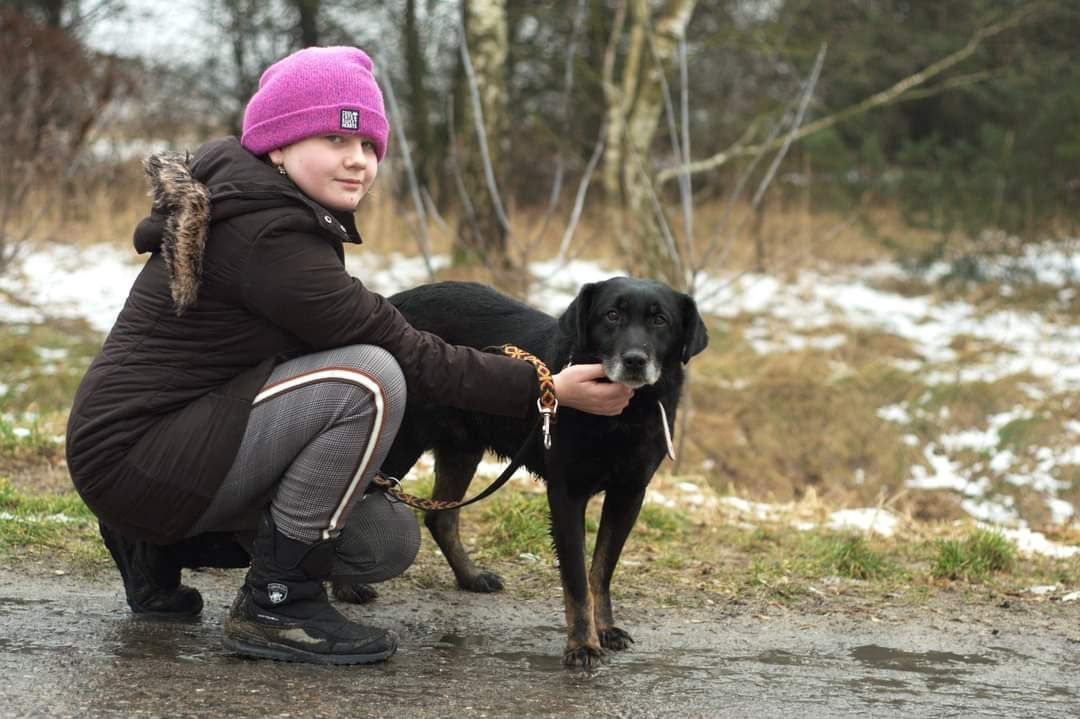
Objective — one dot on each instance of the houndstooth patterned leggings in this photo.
(318, 430)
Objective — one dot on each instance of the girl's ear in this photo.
(276, 156)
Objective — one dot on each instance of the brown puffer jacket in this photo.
(245, 271)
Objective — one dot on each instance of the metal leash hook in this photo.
(546, 403)
(548, 414)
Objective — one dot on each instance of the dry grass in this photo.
(778, 425)
(99, 206)
(104, 206)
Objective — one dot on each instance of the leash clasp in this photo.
(547, 414)
(391, 486)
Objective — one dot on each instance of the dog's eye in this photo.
(659, 320)
(612, 315)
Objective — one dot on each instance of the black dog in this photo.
(643, 332)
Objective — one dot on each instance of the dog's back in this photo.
(475, 315)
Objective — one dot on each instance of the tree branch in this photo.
(481, 133)
(410, 171)
(579, 199)
(560, 163)
(804, 101)
(885, 97)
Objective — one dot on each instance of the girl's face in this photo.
(334, 170)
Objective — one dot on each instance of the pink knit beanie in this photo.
(316, 91)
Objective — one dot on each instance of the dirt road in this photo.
(69, 647)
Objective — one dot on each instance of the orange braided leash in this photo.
(392, 487)
(546, 403)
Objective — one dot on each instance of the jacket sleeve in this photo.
(295, 280)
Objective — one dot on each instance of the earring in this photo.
(281, 170)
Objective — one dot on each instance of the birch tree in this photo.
(483, 134)
(634, 100)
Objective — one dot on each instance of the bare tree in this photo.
(417, 96)
(53, 93)
(255, 34)
(482, 139)
(308, 21)
(521, 245)
(634, 103)
(72, 16)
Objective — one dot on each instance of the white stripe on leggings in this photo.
(341, 374)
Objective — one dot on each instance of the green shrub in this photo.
(975, 557)
(851, 556)
(517, 523)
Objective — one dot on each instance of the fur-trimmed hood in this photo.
(220, 181)
(178, 224)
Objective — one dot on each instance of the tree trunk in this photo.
(634, 106)
(241, 22)
(54, 13)
(309, 22)
(484, 236)
(419, 123)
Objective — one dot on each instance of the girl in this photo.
(250, 384)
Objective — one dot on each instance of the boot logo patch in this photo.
(277, 592)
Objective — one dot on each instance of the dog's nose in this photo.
(635, 360)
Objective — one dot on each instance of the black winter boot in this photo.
(282, 611)
(151, 576)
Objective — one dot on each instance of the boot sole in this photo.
(142, 611)
(289, 654)
(177, 616)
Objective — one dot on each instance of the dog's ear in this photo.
(695, 335)
(574, 320)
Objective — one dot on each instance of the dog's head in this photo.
(635, 328)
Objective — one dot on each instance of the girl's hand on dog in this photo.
(584, 387)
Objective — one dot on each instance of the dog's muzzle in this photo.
(633, 368)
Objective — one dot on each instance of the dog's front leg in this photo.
(568, 531)
(617, 519)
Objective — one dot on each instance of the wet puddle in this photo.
(171, 640)
(935, 669)
(18, 604)
(453, 647)
(877, 657)
(782, 658)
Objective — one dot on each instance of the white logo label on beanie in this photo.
(350, 119)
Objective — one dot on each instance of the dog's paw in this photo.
(484, 582)
(353, 593)
(583, 657)
(615, 639)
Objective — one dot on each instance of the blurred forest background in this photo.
(677, 127)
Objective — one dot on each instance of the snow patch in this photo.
(869, 519)
(1031, 542)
